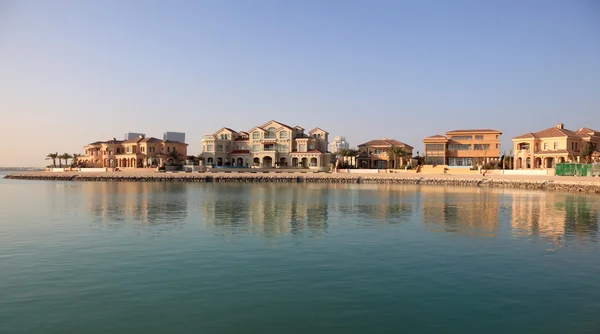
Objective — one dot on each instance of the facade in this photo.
(138, 152)
(544, 149)
(174, 136)
(373, 154)
(133, 135)
(339, 143)
(463, 148)
(272, 144)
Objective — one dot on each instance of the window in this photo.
(110, 152)
(255, 148)
(210, 148)
(434, 147)
(283, 134)
(311, 146)
(270, 133)
(256, 135)
(462, 137)
(545, 146)
(459, 147)
(481, 147)
(497, 145)
(378, 151)
(224, 136)
(302, 148)
(219, 147)
(128, 149)
(283, 148)
(169, 149)
(479, 137)
(555, 145)
(459, 162)
(497, 136)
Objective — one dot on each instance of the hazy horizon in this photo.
(75, 72)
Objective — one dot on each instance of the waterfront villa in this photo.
(134, 153)
(272, 144)
(463, 148)
(544, 149)
(374, 154)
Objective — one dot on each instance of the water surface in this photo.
(79, 257)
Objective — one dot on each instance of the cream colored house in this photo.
(463, 148)
(272, 144)
(139, 152)
(544, 149)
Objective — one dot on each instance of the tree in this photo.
(66, 157)
(174, 157)
(53, 157)
(587, 150)
(397, 154)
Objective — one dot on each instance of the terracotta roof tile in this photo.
(475, 131)
(385, 143)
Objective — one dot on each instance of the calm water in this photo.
(268, 258)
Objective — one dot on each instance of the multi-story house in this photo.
(463, 148)
(374, 154)
(137, 152)
(272, 144)
(544, 149)
(339, 143)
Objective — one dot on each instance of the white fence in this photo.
(93, 170)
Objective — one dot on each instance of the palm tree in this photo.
(586, 152)
(75, 158)
(53, 157)
(175, 157)
(397, 154)
(65, 156)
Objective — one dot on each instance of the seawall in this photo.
(584, 185)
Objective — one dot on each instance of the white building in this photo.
(174, 136)
(133, 135)
(339, 143)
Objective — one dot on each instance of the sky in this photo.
(74, 72)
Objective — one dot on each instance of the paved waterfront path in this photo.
(561, 183)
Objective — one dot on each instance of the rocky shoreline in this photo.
(566, 185)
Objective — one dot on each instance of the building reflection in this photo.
(556, 216)
(268, 209)
(147, 204)
(468, 210)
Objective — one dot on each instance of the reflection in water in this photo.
(558, 217)
(267, 209)
(306, 209)
(473, 211)
(150, 204)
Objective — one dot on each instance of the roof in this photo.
(436, 138)
(133, 141)
(224, 128)
(317, 129)
(151, 140)
(241, 139)
(385, 142)
(271, 121)
(475, 131)
(172, 142)
(549, 133)
(588, 132)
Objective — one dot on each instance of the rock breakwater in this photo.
(566, 185)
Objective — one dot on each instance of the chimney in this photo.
(384, 138)
(560, 126)
(114, 139)
(141, 136)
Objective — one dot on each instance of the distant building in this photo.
(133, 135)
(174, 136)
(544, 149)
(272, 144)
(137, 152)
(374, 154)
(463, 148)
(339, 143)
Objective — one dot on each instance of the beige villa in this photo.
(463, 148)
(139, 152)
(272, 144)
(374, 154)
(544, 149)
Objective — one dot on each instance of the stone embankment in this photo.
(566, 185)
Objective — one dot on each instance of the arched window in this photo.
(270, 132)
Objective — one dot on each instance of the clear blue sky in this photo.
(73, 72)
